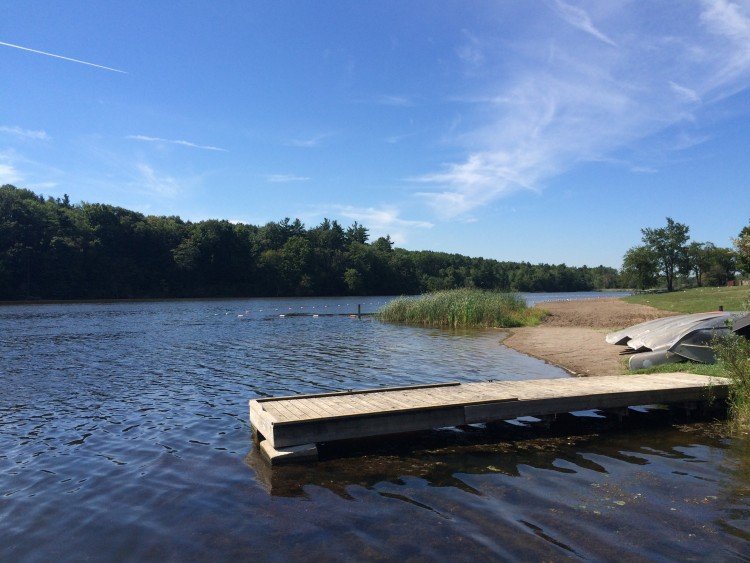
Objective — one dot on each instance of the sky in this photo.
(543, 131)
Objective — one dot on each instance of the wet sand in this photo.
(572, 336)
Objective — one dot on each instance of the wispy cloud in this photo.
(61, 57)
(578, 17)
(395, 101)
(18, 169)
(285, 178)
(688, 94)
(311, 142)
(9, 174)
(731, 22)
(382, 220)
(26, 133)
(471, 50)
(154, 183)
(175, 142)
(394, 139)
(562, 103)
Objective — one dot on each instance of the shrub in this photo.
(733, 353)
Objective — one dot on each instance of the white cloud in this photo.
(26, 133)
(155, 183)
(60, 57)
(285, 178)
(471, 51)
(309, 142)
(559, 102)
(686, 93)
(381, 220)
(731, 22)
(396, 101)
(174, 142)
(394, 139)
(9, 174)
(578, 17)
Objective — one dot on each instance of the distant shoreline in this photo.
(173, 299)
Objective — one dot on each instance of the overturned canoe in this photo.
(675, 339)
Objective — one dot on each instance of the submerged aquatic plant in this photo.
(462, 308)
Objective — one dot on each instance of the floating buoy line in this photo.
(331, 310)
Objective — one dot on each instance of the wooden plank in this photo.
(375, 424)
(359, 391)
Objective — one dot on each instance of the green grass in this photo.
(697, 300)
(462, 308)
(685, 367)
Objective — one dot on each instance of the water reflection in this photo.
(439, 456)
(661, 488)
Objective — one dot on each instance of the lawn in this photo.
(697, 300)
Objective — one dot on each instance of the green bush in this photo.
(462, 308)
(733, 353)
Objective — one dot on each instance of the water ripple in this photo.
(124, 435)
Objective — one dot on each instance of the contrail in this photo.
(60, 57)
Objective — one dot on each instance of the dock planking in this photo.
(288, 428)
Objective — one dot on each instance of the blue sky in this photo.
(543, 131)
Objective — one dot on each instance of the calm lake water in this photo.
(124, 436)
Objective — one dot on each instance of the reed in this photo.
(462, 308)
(733, 353)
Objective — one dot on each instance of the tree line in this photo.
(667, 253)
(52, 249)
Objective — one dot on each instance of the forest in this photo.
(53, 249)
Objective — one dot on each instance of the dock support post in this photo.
(619, 414)
(359, 310)
(289, 454)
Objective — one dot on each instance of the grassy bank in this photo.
(697, 300)
(462, 308)
(714, 370)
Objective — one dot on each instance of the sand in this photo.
(572, 336)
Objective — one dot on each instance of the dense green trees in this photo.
(667, 251)
(640, 268)
(50, 249)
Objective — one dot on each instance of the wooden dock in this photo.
(289, 428)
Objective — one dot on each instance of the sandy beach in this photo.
(572, 336)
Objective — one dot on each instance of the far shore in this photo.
(157, 299)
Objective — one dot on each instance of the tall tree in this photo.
(722, 264)
(668, 244)
(698, 259)
(742, 245)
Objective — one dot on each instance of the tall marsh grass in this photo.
(459, 308)
(733, 353)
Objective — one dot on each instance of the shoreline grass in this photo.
(733, 353)
(462, 308)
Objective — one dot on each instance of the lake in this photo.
(124, 435)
